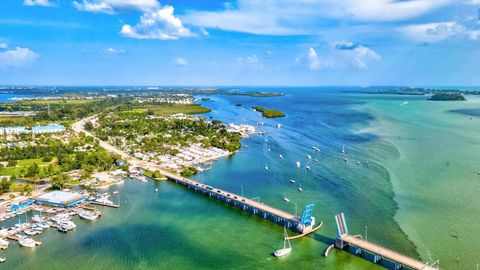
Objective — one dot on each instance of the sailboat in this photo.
(343, 148)
(298, 164)
(316, 159)
(309, 157)
(281, 156)
(300, 188)
(308, 168)
(285, 250)
(266, 167)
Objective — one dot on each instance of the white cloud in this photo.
(180, 62)
(113, 6)
(339, 55)
(3, 45)
(439, 31)
(303, 16)
(17, 57)
(250, 61)
(43, 3)
(159, 24)
(114, 51)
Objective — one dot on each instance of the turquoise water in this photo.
(177, 228)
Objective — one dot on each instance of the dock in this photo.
(104, 204)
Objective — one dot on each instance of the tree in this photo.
(58, 182)
(33, 170)
(157, 174)
(88, 126)
(12, 163)
(5, 185)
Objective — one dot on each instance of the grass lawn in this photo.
(24, 163)
(169, 109)
(59, 102)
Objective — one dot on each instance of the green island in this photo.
(268, 113)
(447, 97)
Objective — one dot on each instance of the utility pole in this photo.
(366, 232)
(242, 194)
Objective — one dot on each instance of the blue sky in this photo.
(240, 42)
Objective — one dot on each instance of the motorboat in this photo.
(281, 156)
(62, 229)
(4, 244)
(292, 181)
(30, 232)
(308, 167)
(309, 157)
(286, 199)
(298, 164)
(27, 242)
(88, 215)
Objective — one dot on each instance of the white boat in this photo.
(285, 250)
(316, 159)
(88, 215)
(343, 149)
(37, 218)
(269, 150)
(43, 225)
(298, 164)
(316, 148)
(281, 156)
(286, 199)
(30, 232)
(278, 125)
(4, 244)
(27, 242)
(358, 162)
(309, 157)
(266, 167)
(292, 181)
(308, 167)
(300, 188)
(2, 259)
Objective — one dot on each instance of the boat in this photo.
(285, 250)
(266, 167)
(309, 157)
(2, 259)
(316, 159)
(308, 167)
(88, 215)
(292, 181)
(286, 199)
(300, 188)
(358, 162)
(37, 218)
(4, 244)
(62, 229)
(281, 156)
(269, 150)
(278, 125)
(30, 232)
(316, 148)
(345, 159)
(298, 164)
(43, 225)
(27, 242)
(343, 149)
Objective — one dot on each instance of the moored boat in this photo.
(27, 242)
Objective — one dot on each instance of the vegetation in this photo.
(447, 97)
(189, 171)
(267, 113)
(138, 133)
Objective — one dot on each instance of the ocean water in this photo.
(414, 191)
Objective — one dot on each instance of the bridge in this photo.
(344, 240)
(302, 224)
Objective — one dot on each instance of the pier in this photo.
(344, 240)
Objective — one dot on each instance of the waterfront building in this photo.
(20, 205)
(61, 198)
(53, 128)
(13, 130)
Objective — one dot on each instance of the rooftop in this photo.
(60, 197)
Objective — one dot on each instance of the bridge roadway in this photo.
(284, 218)
(386, 253)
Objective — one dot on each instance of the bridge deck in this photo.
(386, 253)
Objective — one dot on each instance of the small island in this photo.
(267, 113)
(447, 97)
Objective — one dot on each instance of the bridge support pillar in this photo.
(377, 258)
(340, 244)
(358, 251)
(398, 266)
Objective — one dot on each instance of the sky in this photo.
(240, 42)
